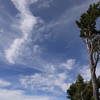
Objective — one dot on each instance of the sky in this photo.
(41, 52)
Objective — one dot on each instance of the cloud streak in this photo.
(6, 94)
(52, 83)
(54, 79)
(85, 71)
(26, 23)
(4, 83)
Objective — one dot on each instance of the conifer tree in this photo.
(75, 92)
(91, 37)
(80, 90)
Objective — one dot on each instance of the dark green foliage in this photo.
(87, 25)
(87, 22)
(88, 94)
(80, 90)
(98, 80)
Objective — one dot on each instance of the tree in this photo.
(91, 37)
(88, 93)
(80, 90)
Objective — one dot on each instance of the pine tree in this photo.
(80, 90)
(75, 92)
(91, 37)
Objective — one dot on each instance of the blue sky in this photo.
(40, 50)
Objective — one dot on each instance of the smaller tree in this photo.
(80, 90)
(87, 92)
(75, 92)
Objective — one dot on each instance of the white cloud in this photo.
(69, 64)
(26, 23)
(51, 79)
(36, 48)
(44, 3)
(18, 94)
(46, 82)
(6, 94)
(70, 15)
(4, 83)
(85, 71)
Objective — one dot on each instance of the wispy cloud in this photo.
(44, 3)
(69, 64)
(46, 82)
(6, 94)
(18, 94)
(53, 79)
(4, 83)
(70, 14)
(85, 71)
(26, 23)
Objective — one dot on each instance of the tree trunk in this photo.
(94, 79)
(94, 84)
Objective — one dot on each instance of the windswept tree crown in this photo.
(88, 30)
